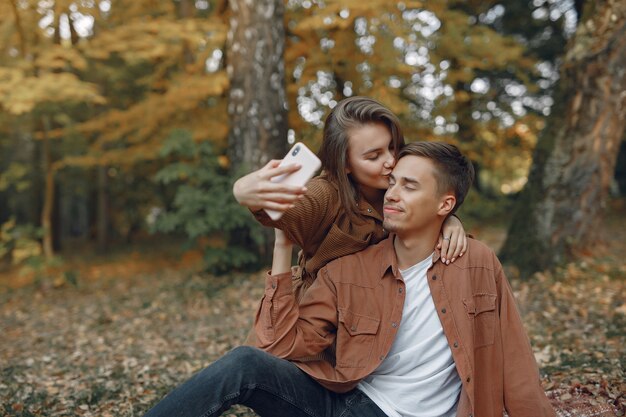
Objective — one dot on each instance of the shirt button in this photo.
(273, 285)
(434, 277)
(394, 324)
(456, 345)
(443, 310)
(381, 357)
(369, 210)
(353, 328)
(400, 290)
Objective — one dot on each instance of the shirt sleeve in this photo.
(289, 331)
(523, 394)
(304, 223)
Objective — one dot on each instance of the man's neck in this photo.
(415, 247)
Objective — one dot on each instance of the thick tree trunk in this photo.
(257, 98)
(257, 102)
(559, 210)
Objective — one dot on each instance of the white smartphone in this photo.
(310, 164)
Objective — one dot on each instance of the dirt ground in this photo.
(125, 331)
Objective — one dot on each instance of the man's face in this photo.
(413, 202)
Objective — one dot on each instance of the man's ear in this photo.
(446, 204)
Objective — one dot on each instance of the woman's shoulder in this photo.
(321, 187)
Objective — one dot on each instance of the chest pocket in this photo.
(355, 339)
(481, 309)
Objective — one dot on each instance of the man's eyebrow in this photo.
(410, 180)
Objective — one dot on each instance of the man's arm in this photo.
(523, 394)
(290, 331)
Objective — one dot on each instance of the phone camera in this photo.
(295, 151)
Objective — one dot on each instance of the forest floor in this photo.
(125, 330)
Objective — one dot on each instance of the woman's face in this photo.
(370, 156)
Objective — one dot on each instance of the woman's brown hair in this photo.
(351, 113)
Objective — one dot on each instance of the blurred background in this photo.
(125, 262)
(120, 119)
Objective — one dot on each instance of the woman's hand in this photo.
(281, 260)
(452, 241)
(256, 190)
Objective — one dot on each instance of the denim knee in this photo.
(247, 360)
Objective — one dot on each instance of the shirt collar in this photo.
(390, 260)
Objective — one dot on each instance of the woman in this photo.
(340, 211)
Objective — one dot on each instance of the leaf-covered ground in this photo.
(116, 342)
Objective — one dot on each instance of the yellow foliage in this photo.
(25, 249)
(157, 39)
(22, 94)
(58, 57)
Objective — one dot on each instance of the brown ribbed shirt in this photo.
(322, 227)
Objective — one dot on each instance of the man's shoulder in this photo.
(479, 248)
(478, 255)
(368, 260)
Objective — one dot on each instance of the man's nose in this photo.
(390, 195)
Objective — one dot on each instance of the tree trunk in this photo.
(620, 171)
(48, 203)
(257, 98)
(102, 222)
(560, 208)
(257, 101)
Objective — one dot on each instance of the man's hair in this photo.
(350, 113)
(453, 171)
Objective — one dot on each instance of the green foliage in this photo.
(19, 243)
(203, 207)
(15, 175)
(481, 209)
(20, 246)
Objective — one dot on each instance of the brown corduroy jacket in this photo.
(356, 305)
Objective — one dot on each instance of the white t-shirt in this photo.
(418, 377)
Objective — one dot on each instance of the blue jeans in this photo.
(269, 385)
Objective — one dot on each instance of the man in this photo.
(388, 331)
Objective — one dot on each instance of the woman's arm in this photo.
(281, 260)
(452, 241)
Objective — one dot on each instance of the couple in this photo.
(391, 329)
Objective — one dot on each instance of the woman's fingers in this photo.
(272, 205)
(445, 244)
(458, 248)
(282, 197)
(272, 171)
